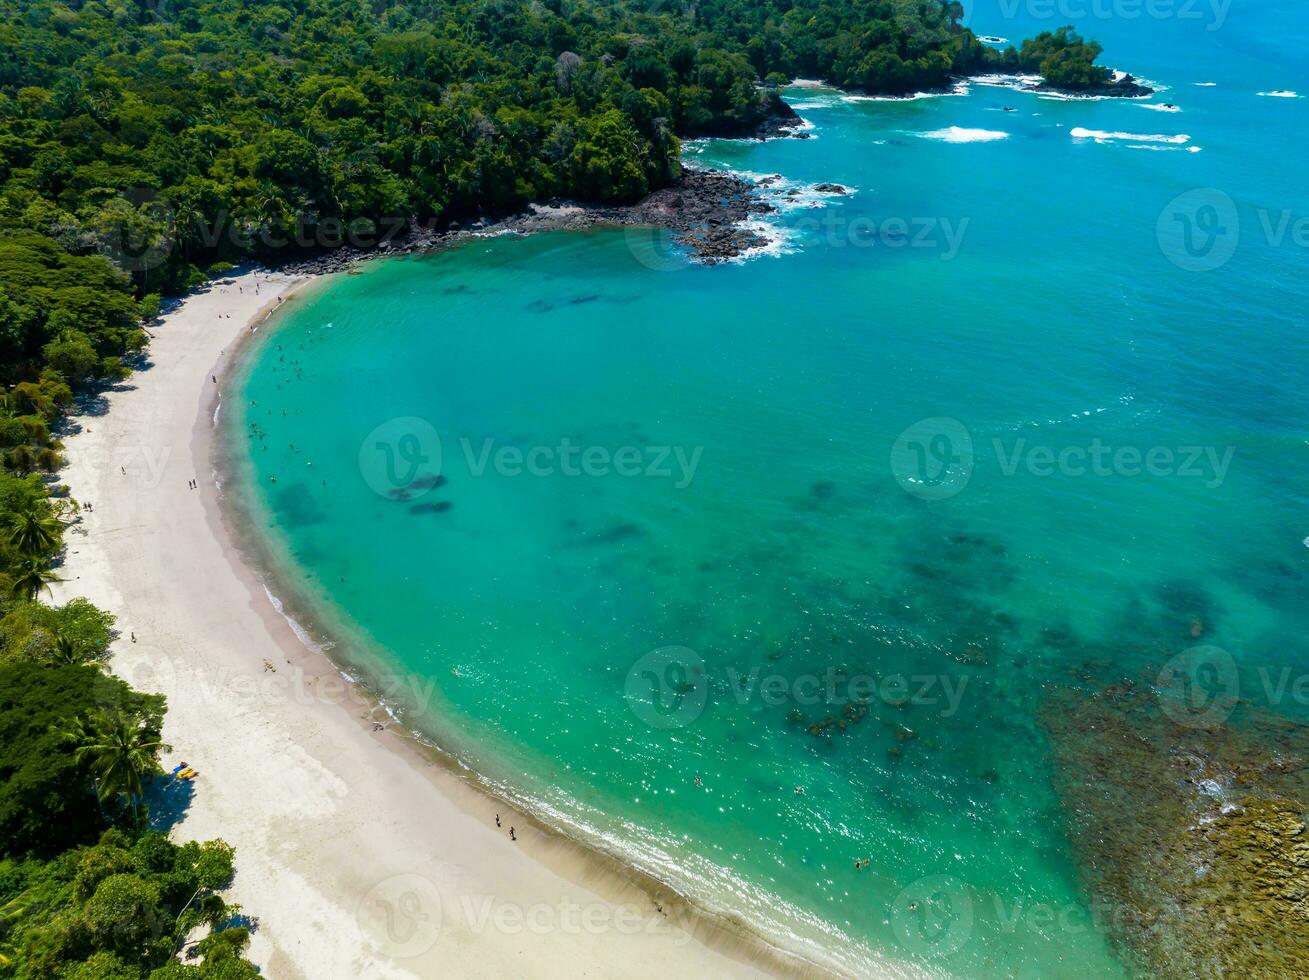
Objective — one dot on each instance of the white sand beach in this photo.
(357, 855)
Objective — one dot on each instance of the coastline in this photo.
(706, 212)
(420, 880)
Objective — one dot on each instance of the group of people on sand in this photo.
(512, 835)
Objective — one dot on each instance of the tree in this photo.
(124, 916)
(46, 803)
(30, 577)
(35, 532)
(120, 748)
(81, 632)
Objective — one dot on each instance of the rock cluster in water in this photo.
(704, 210)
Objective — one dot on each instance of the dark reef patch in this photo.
(296, 507)
(428, 482)
(437, 507)
(1192, 831)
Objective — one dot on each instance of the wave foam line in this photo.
(959, 134)
(957, 89)
(1104, 136)
(300, 632)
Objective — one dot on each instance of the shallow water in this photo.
(837, 518)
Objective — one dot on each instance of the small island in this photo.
(1066, 63)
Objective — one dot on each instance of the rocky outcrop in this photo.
(1122, 87)
(780, 121)
(704, 211)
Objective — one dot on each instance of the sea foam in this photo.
(1103, 136)
(958, 88)
(959, 134)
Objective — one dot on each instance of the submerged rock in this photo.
(436, 507)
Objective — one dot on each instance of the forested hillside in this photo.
(172, 134)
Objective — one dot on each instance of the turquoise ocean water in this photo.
(801, 604)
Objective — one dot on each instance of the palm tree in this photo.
(119, 749)
(30, 577)
(35, 531)
(186, 226)
(70, 652)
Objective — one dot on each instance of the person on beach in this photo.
(497, 820)
(512, 835)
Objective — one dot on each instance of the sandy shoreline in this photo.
(358, 854)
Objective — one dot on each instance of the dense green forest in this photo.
(147, 144)
(172, 134)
